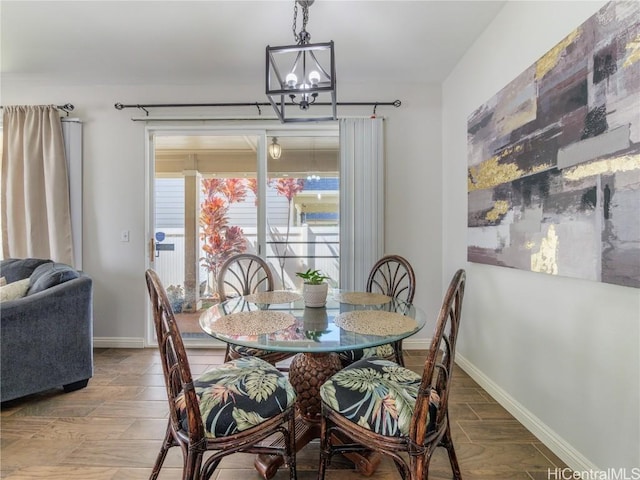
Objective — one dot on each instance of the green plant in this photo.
(312, 277)
(314, 335)
(175, 295)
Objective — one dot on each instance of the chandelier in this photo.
(301, 74)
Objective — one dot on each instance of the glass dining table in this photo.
(278, 321)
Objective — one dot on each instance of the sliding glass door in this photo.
(215, 193)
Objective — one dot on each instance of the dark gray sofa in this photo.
(46, 336)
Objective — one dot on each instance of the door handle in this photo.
(152, 249)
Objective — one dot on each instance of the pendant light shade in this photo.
(275, 149)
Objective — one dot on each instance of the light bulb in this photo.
(291, 80)
(314, 77)
(304, 103)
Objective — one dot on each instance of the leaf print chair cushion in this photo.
(238, 395)
(239, 351)
(376, 405)
(244, 406)
(377, 394)
(348, 357)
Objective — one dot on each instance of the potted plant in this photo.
(175, 294)
(315, 322)
(314, 289)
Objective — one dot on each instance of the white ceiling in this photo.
(193, 42)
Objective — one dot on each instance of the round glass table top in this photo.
(279, 321)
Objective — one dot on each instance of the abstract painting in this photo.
(554, 158)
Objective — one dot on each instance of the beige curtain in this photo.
(35, 190)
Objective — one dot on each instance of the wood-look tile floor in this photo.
(112, 430)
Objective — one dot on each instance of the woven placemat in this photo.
(362, 298)
(276, 296)
(253, 323)
(375, 322)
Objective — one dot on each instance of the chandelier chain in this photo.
(303, 36)
(295, 18)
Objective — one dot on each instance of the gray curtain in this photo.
(35, 192)
(362, 199)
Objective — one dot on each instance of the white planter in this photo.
(315, 319)
(315, 295)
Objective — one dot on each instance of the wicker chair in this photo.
(236, 422)
(393, 276)
(244, 274)
(411, 417)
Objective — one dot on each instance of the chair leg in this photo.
(291, 447)
(447, 442)
(167, 443)
(192, 465)
(227, 357)
(402, 469)
(397, 348)
(209, 469)
(324, 449)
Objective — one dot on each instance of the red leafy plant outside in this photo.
(220, 240)
(288, 188)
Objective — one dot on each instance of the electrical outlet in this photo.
(124, 236)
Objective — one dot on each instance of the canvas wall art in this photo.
(554, 158)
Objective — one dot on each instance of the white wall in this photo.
(114, 182)
(413, 210)
(560, 353)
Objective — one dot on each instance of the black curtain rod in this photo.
(143, 107)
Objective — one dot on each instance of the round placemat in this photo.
(362, 298)
(276, 296)
(375, 322)
(253, 323)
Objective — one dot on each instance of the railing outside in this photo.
(315, 247)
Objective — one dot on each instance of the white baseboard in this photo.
(118, 342)
(411, 344)
(574, 459)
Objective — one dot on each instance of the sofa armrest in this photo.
(47, 338)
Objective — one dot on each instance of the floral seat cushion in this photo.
(240, 351)
(351, 356)
(377, 394)
(238, 395)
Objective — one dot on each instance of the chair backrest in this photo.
(243, 274)
(175, 365)
(438, 367)
(393, 275)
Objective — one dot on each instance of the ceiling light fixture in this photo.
(303, 72)
(275, 149)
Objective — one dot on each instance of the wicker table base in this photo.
(307, 372)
